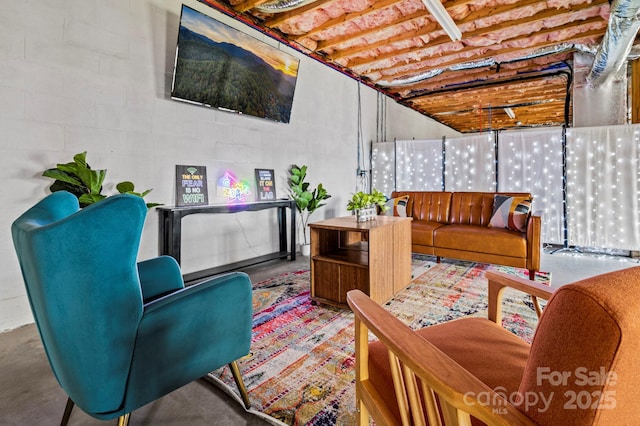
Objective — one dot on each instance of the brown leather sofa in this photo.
(456, 225)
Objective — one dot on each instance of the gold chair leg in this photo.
(124, 419)
(67, 412)
(240, 384)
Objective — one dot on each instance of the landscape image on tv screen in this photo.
(221, 67)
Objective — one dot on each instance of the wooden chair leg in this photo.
(67, 412)
(124, 419)
(362, 414)
(240, 384)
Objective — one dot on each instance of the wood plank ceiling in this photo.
(513, 54)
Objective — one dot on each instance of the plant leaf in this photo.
(125, 187)
(81, 160)
(87, 199)
(62, 176)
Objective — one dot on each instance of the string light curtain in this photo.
(603, 187)
(470, 163)
(419, 165)
(383, 171)
(531, 161)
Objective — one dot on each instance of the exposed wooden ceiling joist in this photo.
(385, 42)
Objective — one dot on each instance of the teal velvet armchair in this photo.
(120, 334)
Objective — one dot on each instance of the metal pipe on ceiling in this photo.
(617, 42)
(560, 48)
(552, 71)
(279, 6)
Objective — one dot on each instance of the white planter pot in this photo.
(305, 249)
(364, 215)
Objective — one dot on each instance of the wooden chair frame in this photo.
(430, 387)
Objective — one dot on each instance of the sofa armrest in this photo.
(499, 281)
(534, 243)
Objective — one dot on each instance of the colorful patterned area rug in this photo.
(301, 367)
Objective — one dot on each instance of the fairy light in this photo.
(421, 166)
(603, 179)
(383, 173)
(531, 161)
(470, 163)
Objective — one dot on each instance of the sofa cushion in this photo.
(475, 208)
(480, 346)
(422, 232)
(397, 206)
(510, 212)
(427, 206)
(481, 239)
(471, 208)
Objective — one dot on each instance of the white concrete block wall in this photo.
(89, 75)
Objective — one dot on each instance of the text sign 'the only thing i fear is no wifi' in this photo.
(191, 186)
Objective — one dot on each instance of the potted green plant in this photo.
(366, 205)
(81, 180)
(307, 199)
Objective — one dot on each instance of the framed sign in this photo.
(191, 186)
(266, 185)
(234, 190)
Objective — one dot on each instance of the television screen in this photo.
(221, 67)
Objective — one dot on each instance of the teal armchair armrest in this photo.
(159, 276)
(220, 308)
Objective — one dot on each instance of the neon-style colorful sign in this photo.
(232, 188)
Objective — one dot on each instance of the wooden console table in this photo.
(170, 232)
(373, 256)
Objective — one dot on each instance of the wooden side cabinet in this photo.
(373, 256)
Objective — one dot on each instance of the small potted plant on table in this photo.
(366, 205)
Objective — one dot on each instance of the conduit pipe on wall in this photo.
(617, 42)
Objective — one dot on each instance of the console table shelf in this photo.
(373, 256)
(170, 233)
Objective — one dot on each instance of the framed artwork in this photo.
(266, 185)
(191, 186)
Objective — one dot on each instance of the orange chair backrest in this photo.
(585, 356)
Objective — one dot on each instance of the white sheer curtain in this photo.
(603, 187)
(419, 165)
(470, 163)
(603, 177)
(383, 172)
(531, 161)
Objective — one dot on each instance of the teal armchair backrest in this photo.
(120, 333)
(80, 271)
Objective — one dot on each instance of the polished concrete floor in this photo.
(30, 395)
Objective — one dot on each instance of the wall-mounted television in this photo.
(220, 67)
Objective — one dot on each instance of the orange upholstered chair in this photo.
(581, 368)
